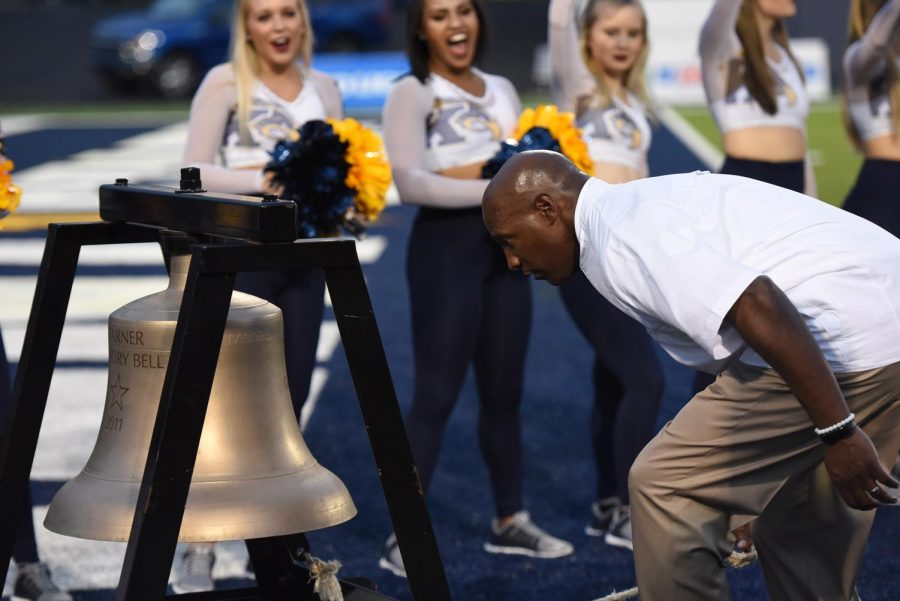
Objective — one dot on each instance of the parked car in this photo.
(169, 46)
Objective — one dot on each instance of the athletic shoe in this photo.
(601, 516)
(33, 582)
(195, 573)
(522, 537)
(391, 560)
(619, 533)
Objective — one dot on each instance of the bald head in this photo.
(529, 209)
(529, 174)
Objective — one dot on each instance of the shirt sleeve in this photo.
(718, 43)
(508, 90)
(211, 109)
(676, 277)
(570, 78)
(405, 135)
(883, 33)
(329, 93)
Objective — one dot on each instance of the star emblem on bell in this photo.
(115, 393)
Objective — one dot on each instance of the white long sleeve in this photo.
(211, 110)
(719, 43)
(570, 78)
(866, 53)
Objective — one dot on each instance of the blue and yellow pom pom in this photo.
(543, 128)
(337, 173)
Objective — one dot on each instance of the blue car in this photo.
(170, 45)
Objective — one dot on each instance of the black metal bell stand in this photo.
(246, 235)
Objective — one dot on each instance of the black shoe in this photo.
(33, 582)
(619, 533)
(523, 537)
(601, 516)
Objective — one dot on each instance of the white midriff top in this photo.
(737, 109)
(435, 125)
(722, 66)
(618, 134)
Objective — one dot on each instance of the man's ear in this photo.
(545, 206)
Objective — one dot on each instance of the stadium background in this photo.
(68, 134)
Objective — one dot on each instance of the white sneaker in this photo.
(33, 582)
(391, 560)
(195, 572)
(522, 537)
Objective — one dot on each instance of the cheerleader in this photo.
(33, 580)
(872, 109)
(756, 93)
(598, 64)
(241, 109)
(442, 122)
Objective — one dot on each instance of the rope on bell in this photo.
(739, 559)
(323, 574)
(614, 596)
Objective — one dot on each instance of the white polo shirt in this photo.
(675, 253)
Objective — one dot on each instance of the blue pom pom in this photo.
(536, 138)
(313, 170)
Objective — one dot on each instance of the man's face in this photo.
(533, 242)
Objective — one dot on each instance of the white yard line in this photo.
(704, 150)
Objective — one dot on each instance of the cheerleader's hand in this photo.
(270, 186)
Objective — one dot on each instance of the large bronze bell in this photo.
(254, 476)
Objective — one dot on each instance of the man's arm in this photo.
(768, 322)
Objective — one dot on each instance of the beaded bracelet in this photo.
(833, 427)
(838, 431)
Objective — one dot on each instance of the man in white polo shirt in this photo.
(794, 303)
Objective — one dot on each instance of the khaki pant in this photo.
(745, 448)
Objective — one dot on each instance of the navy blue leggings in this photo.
(25, 546)
(467, 307)
(628, 383)
(790, 175)
(876, 194)
(300, 294)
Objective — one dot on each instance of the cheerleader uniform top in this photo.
(228, 164)
(436, 125)
(722, 64)
(865, 73)
(618, 132)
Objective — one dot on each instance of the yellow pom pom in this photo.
(10, 194)
(369, 173)
(561, 126)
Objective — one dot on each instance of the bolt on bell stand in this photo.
(257, 236)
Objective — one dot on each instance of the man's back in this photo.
(676, 251)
